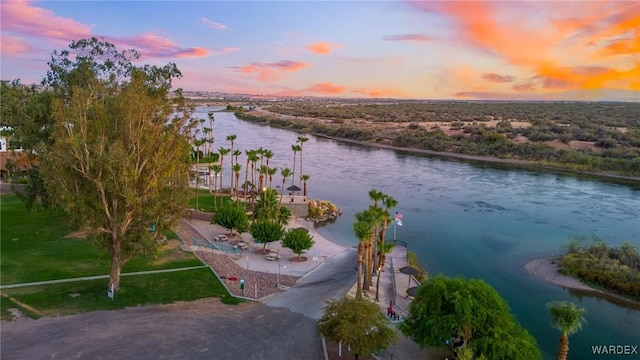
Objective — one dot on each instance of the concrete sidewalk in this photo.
(393, 289)
(393, 283)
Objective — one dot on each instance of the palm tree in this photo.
(222, 152)
(231, 138)
(271, 172)
(211, 139)
(305, 178)
(236, 170)
(264, 170)
(216, 170)
(389, 202)
(568, 318)
(285, 174)
(372, 263)
(198, 143)
(268, 154)
(376, 196)
(295, 149)
(246, 170)
(253, 158)
(301, 140)
(362, 228)
(235, 154)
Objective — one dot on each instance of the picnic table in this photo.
(221, 238)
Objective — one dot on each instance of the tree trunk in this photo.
(116, 265)
(359, 270)
(378, 284)
(367, 266)
(563, 347)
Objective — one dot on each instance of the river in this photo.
(473, 219)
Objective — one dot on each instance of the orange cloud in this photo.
(497, 78)
(327, 88)
(323, 47)
(552, 41)
(272, 71)
(19, 16)
(381, 92)
(408, 37)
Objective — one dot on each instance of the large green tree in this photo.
(231, 216)
(26, 122)
(266, 231)
(357, 323)
(298, 240)
(568, 318)
(469, 313)
(119, 160)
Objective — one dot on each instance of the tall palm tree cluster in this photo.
(370, 227)
(258, 172)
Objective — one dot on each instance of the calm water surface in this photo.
(471, 219)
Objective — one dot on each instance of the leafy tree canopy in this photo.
(119, 157)
(472, 312)
(298, 240)
(231, 217)
(266, 231)
(357, 323)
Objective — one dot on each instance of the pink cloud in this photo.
(13, 46)
(327, 88)
(213, 24)
(323, 47)
(19, 16)
(154, 46)
(408, 37)
(272, 71)
(497, 78)
(228, 50)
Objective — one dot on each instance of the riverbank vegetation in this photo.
(595, 137)
(615, 269)
(461, 313)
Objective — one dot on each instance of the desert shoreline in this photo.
(546, 269)
(485, 159)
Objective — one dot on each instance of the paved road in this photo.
(204, 329)
(332, 280)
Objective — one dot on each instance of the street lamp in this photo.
(279, 266)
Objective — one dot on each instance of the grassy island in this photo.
(614, 269)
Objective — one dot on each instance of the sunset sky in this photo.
(508, 50)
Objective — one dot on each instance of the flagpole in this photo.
(395, 223)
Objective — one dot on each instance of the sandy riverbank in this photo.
(547, 269)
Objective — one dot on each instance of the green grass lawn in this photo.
(35, 247)
(206, 199)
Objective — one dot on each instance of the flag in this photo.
(398, 218)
